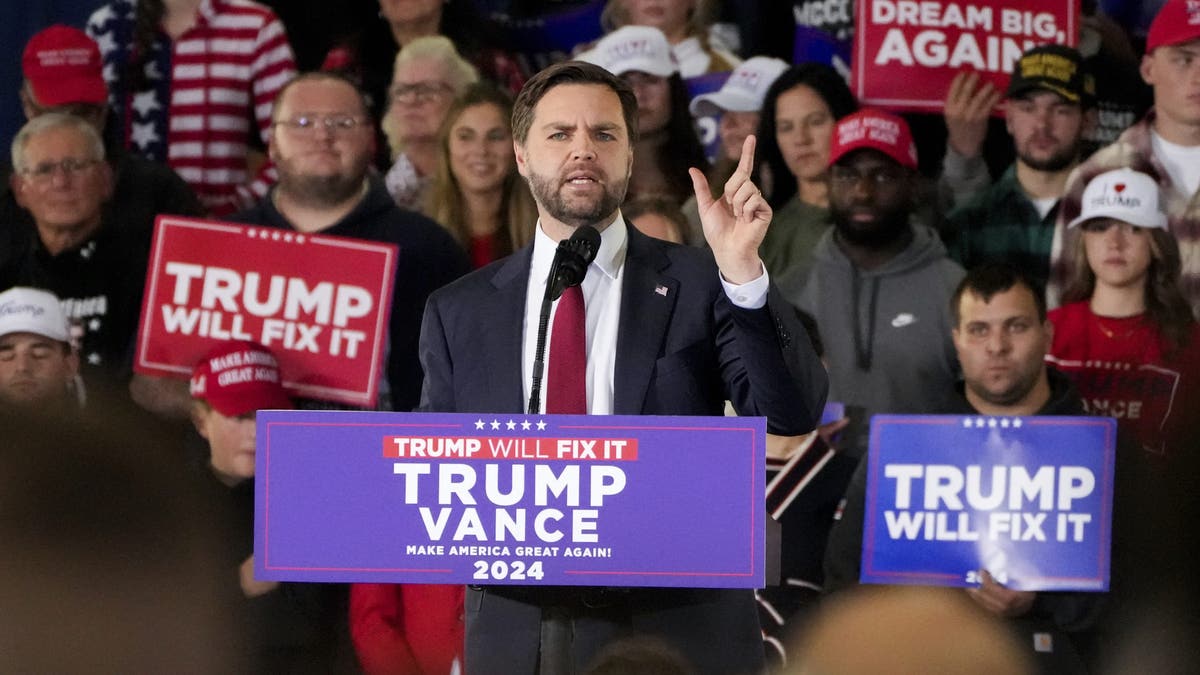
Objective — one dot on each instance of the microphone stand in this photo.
(539, 360)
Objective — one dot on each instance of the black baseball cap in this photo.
(1056, 68)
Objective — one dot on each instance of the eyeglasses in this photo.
(849, 177)
(71, 167)
(420, 92)
(334, 124)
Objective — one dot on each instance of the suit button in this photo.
(785, 336)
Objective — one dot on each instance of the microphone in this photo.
(571, 260)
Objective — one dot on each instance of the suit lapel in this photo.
(647, 301)
(503, 316)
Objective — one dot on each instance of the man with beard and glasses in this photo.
(878, 282)
(1001, 336)
(322, 143)
(656, 328)
(1049, 111)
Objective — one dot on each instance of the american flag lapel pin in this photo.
(661, 290)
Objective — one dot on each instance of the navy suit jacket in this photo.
(682, 352)
(679, 352)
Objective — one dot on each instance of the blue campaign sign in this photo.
(510, 499)
(1027, 498)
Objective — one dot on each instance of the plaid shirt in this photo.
(1133, 149)
(1003, 224)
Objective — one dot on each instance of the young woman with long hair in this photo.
(1125, 332)
(477, 193)
(795, 130)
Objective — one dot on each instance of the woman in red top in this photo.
(1126, 334)
(477, 193)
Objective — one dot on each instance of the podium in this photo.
(510, 499)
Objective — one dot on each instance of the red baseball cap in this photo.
(875, 129)
(239, 377)
(1177, 22)
(62, 65)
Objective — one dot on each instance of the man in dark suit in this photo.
(668, 332)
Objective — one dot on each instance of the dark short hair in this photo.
(327, 76)
(990, 278)
(570, 72)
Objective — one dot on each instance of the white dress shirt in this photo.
(602, 303)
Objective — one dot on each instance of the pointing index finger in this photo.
(746, 162)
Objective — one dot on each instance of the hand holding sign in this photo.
(1001, 601)
(969, 103)
(735, 224)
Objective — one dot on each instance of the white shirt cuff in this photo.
(750, 295)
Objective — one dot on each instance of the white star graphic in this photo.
(94, 324)
(299, 239)
(152, 71)
(109, 73)
(101, 16)
(94, 359)
(143, 135)
(511, 425)
(541, 425)
(144, 102)
(106, 42)
(276, 236)
(479, 424)
(495, 424)
(525, 425)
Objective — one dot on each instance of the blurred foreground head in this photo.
(108, 552)
(906, 631)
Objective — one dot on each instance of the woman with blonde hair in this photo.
(1125, 333)
(429, 74)
(477, 193)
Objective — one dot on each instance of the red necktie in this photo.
(566, 379)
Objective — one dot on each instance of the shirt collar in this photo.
(614, 242)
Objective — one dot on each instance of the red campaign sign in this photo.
(320, 303)
(906, 52)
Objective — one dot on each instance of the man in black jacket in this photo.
(1001, 336)
(62, 73)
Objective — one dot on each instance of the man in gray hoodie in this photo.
(880, 285)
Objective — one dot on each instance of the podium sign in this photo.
(510, 499)
(1029, 499)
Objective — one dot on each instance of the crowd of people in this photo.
(1036, 259)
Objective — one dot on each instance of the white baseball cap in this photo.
(1122, 194)
(744, 90)
(641, 48)
(32, 310)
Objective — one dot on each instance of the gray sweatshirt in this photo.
(886, 331)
